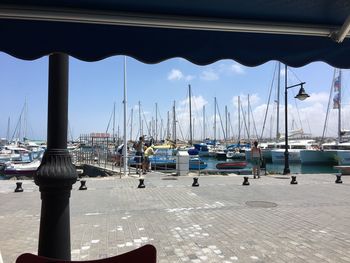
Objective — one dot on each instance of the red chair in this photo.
(145, 254)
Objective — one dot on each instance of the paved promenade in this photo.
(219, 221)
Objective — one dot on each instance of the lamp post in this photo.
(301, 96)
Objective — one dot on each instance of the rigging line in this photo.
(109, 122)
(195, 107)
(231, 129)
(182, 135)
(222, 126)
(18, 124)
(298, 112)
(295, 75)
(70, 131)
(308, 123)
(144, 118)
(254, 126)
(327, 112)
(268, 102)
(245, 124)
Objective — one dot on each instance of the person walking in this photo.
(256, 159)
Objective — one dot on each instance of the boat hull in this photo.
(318, 157)
(343, 157)
(278, 156)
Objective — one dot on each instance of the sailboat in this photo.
(267, 147)
(327, 153)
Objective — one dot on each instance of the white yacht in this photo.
(326, 154)
(12, 153)
(343, 153)
(294, 148)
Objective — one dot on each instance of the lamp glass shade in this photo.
(302, 95)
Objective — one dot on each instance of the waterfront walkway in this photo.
(219, 221)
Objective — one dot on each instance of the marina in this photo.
(175, 131)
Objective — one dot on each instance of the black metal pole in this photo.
(56, 173)
(286, 153)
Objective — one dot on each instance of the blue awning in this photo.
(250, 32)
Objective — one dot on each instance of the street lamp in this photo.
(301, 96)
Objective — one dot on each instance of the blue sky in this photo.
(95, 86)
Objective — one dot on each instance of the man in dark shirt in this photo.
(139, 155)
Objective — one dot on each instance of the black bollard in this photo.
(18, 187)
(141, 183)
(245, 182)
(338, 181)
(294, 180)
(195, 182)
(82, 185)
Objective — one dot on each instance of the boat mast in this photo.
(174, 123)
(203, 122)
(278, 101)
(8, 130)
(113, 135)
(190, 106)
(118, 134)
(339, 109)
(140, 122)
(156, 137)
(25, 119)
(125, 120)
(239, 119)
(131, 122)
(214, 121)
(225, 124)
(248, 119)
(328, 106)
(168, 126)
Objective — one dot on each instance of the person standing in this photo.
(119, 155)
(139, 155)
(148, 152)
(256, 159)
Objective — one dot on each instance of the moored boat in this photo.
(343, 153)
(231, 165)
(235, 155)
(197, 164)
(27, 169)
(294, 148)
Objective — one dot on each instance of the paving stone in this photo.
(211, 223)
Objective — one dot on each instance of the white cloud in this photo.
(237, 68)
(209, 75)
(321, 97)
(183, 115)
(197, 103)
(253, 99)
(231, 68)
(189, 77)
(175, 74)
